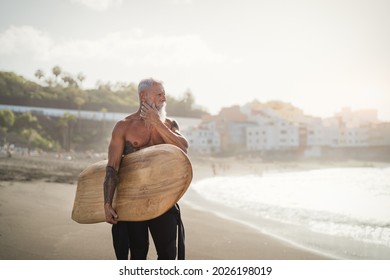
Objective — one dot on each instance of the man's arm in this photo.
(115, 151)
(170, 136)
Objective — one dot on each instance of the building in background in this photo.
(278, 127)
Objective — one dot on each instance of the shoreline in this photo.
(234, 216)
(35, 220)
(268, 245)
(36, 225)
(295, 235)
(253, 243)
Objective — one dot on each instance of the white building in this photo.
(353, 137)
(203, 140)
(274, 135)
(379, 134)
(322, 133)
(263, 128)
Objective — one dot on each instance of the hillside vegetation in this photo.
(62, 90)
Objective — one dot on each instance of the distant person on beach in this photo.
(146, 127)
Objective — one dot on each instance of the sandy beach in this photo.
(36, 199)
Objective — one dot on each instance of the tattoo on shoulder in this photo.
(175, 124)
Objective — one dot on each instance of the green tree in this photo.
(25, 120)
(81, 77)
(66, 123)
(36, 140)
(79, 101)
(27, 134)
(115, 97)
(69, 80)
(13, 85)
(188, 100)
(7, 119)
(57, 71)
(39, 74)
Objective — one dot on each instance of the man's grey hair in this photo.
(146, 83)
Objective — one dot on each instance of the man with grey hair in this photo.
(146, 127)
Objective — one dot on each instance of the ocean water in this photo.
(348, 208)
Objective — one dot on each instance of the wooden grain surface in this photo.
(151, 181)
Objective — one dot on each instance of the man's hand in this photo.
(150, 113)
(111, 215)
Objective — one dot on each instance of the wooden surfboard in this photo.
(151, 181)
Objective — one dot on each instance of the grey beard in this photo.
(162, 112)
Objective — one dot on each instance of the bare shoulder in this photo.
(131, 117)
(122, 124)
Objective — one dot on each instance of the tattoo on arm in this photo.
(110, 183)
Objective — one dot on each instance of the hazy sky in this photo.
(318, 55)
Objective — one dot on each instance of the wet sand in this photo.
(35, 220)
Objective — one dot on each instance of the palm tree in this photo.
(39, 74)
(79, 101)
(56, 71)
(66, 123)
(81, 77)
(68, 79)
